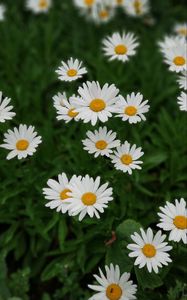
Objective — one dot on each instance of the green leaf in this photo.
(126, 228)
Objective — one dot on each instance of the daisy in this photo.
(136, 7)
(58, 100)
(113, 286)
(96, 103)
(133, 108)
(22, 141)
(71, 70)
(150, 250)
(182, 80)
(169, 42)
(173, 218)
(182, 101)
(125, 158)
(2, 12)
(103, 11)
(120, 47)
(39, 6)
(175, 56)
(6, 112)
(67, 112)
(87, 196)
(57, 192)
(181, 29)
(100, 142)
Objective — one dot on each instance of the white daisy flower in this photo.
(96, 103)
(67, 112)
(113, 286)
(182, 101)
(6, 112)
(58, 100)
(169, 42)
(136, 7)
(88, 197)
(103, 11)
(57, 192)
(2, 12)
(182, 80)
(71, 70)
(125, 158)
(22, 141)
(100, 142)
(39, 6)
(133, 108)
(150, 250)
(120, 47)
(173, 218)
(181, 29)
(175, 56)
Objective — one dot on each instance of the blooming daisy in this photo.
(58, 100)
(113, 286)
(71, 70)
(150, 250)
(133, 108)
(125, 158)
(39, 6)
(2, 12)
(120, 47)
(182, 80)
(67, 112)
(103, 11)
(175, 56)
(22, 141)
(182, 101)
(181, 29)
(96, 103)
(173, 218)
(6, 112)
(136, 7)
(100, 142)
(87, 196)
(57, 192)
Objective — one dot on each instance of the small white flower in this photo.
(88, 197)
(22, 141)
(96, 103)
(100, 142)
(150, 250)
(182, 101)
(136, 8)
(173, 218)
(113, 286)
(67, 112)
(169, 42)
(120, 47)
(2, 12)
(57, 192)
(181, 29)
(58, 100)
(133, 108)
(38, 6)
(103, 11)
(182, 80)
(71, 70)
(125, 158)
(6, 112)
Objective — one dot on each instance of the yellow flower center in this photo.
(137, 6)
(72, 72)
(43, 4)
(113, 292)
(103, 14)
(121, 49)
(89, 199)
(22, 145)
(149, 250)
(119, 1)
(97, 105)
(179, 60)
(89, 2)
(101, 145)
(183, 31)
(64, 194)
(130, 110)
(72, 113)
(126, 159)
(180, 222)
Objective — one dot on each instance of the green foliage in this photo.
(49, 256)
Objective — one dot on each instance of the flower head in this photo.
(71, 70)
(6, 112)
(67, 111)
(181, 29)
(39, 6)
(136, 8)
